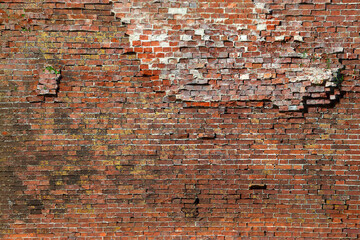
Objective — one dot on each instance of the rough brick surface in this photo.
(170, 119)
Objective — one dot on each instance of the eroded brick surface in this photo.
(48, 83)
(218, 51)
(179, 119)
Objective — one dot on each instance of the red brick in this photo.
(162, 124)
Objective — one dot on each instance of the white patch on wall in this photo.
(180, 11)
(243, 38)
(261, 27)
(316, 75)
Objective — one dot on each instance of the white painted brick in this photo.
(261, 27)
(178, 11)
(244, 76)
(243, 37)
(279, 38)
(185, 37)
(199, 32)
(298, 38)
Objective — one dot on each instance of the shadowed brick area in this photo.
(179, 119)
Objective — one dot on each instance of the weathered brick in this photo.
(179, 119)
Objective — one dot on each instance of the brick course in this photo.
(179, 119)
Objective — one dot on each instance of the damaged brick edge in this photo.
(48, 85)
(327, 98)
(325, 94)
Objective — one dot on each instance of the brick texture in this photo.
(164, 119)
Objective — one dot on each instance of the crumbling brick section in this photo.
(48, 85)
(216, 52)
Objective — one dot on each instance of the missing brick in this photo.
(257, 186)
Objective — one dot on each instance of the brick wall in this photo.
(164, 119)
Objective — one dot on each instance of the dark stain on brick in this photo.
(191, 210)
(35, 206)
(340, 146)
(14, 205)
(257, 186)
(70, 178)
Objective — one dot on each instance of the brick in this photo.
(179, 120)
